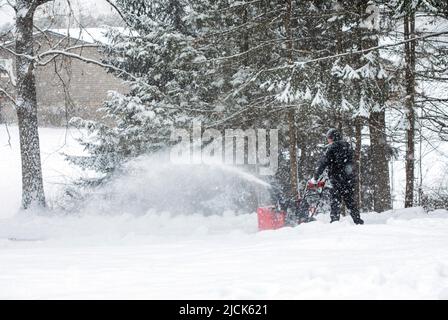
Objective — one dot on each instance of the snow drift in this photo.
(395, 255)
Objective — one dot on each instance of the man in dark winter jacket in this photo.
(338, 158)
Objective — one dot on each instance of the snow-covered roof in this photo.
(89, 35)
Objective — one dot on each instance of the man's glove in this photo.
(312, 183)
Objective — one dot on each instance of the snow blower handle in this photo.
(313, 184)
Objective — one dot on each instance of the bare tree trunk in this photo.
(409, 32)
(293, 152)
(358, 175)
(245, 42)
(380, 164)
(303, 154)
(1, 110)
(32, 182)
(291, 113)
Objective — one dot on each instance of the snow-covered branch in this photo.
(300, 64)
(67, 53)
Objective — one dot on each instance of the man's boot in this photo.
(334, 219)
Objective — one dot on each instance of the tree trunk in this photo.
(358, 175)
(293, 152)
(376, 122)
(1, 110)
(380, 164)
(32, 183)
(302, 154)
(409, 32)
(291, 114)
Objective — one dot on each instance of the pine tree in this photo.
(359, 90)
(161, 66)
(424, 65)
(258, 47)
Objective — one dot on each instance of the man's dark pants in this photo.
(343, 190)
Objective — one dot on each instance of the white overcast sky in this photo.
(94, 6)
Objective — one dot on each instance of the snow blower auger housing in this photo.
(269, 218)
(304, 210)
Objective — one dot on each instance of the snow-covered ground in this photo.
(158, 255)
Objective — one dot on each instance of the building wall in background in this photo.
(66, 87)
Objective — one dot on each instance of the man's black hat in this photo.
(334, 134)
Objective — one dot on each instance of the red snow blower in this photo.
(304, 210)
(270, 219)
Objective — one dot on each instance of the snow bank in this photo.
(105, 229)
(396, 255)
(164, 226)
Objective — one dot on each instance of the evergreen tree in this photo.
(159, 61)
(424, 65)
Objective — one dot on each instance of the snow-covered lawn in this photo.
(398, 254)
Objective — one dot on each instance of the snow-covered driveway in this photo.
(400, 254)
